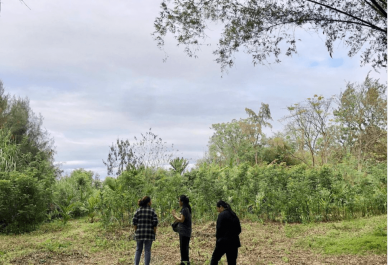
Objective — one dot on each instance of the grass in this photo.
(357, 241)
(360, 236)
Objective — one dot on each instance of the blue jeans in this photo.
(147, 252)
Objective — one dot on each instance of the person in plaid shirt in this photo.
(145, 222)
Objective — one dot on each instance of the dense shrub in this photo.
(23, 202)
(25, 185)
(274, 192)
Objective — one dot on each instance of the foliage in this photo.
(228, 145)
(23, 202)
(253, 127)
(25, 183)
(66, 210)
(263, 27)
(73, 195)
(118, 197)
(148, 151)
(274, 193)
(362, 115)
(92, 205)
(179, 165)
(25, 127)
(9, 152)
(309, 125)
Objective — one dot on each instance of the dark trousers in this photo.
(220, 250)
(184, 246)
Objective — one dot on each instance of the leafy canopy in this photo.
(261, 28)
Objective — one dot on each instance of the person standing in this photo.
(227, 234)
(184, 228)
(145, 222)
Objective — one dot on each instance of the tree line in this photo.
(329, 163)
(318, 131)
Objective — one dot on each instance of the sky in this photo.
(94, 72)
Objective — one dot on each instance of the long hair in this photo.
(144, 201)
(226, 206)
(185, 200)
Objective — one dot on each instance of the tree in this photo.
(27, 172)
(25, 127)
(149, 151)
(362, 114)
(310, 126)
(179, 165)
(228, 144)
(261, 28)
(253, 126)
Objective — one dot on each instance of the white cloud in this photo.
(92, 69)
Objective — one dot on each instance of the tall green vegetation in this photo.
(27, 172)
(362, 115)
(179, 164)
(71, 194)
(238, 141)
(257, 192)
(318, 131)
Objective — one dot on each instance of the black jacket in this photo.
(228, 229)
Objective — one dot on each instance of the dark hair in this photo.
(226, 206)
(185, 200)
(143, 202)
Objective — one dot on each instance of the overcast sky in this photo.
(94, 72)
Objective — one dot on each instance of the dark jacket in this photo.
(227, 230)
(145, 219)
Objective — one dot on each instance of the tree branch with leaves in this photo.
(261, 28)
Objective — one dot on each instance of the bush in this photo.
(23, 203)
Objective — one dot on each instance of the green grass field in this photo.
(360, 241)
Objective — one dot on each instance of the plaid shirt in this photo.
(145, 219)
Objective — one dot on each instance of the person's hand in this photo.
(173, 212)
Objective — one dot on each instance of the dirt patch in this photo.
(53, 258)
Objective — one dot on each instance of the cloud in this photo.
(92, 69)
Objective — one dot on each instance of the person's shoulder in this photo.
(227, 215)
(185, 210)
(223, 214)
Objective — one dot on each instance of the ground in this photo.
(361, 241)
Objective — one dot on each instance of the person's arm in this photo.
(238, 226)
(179, 219)
(154, 221)
(134, 221)
(221, 227)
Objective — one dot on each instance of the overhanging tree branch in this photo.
(347, 14)
(384, 13)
